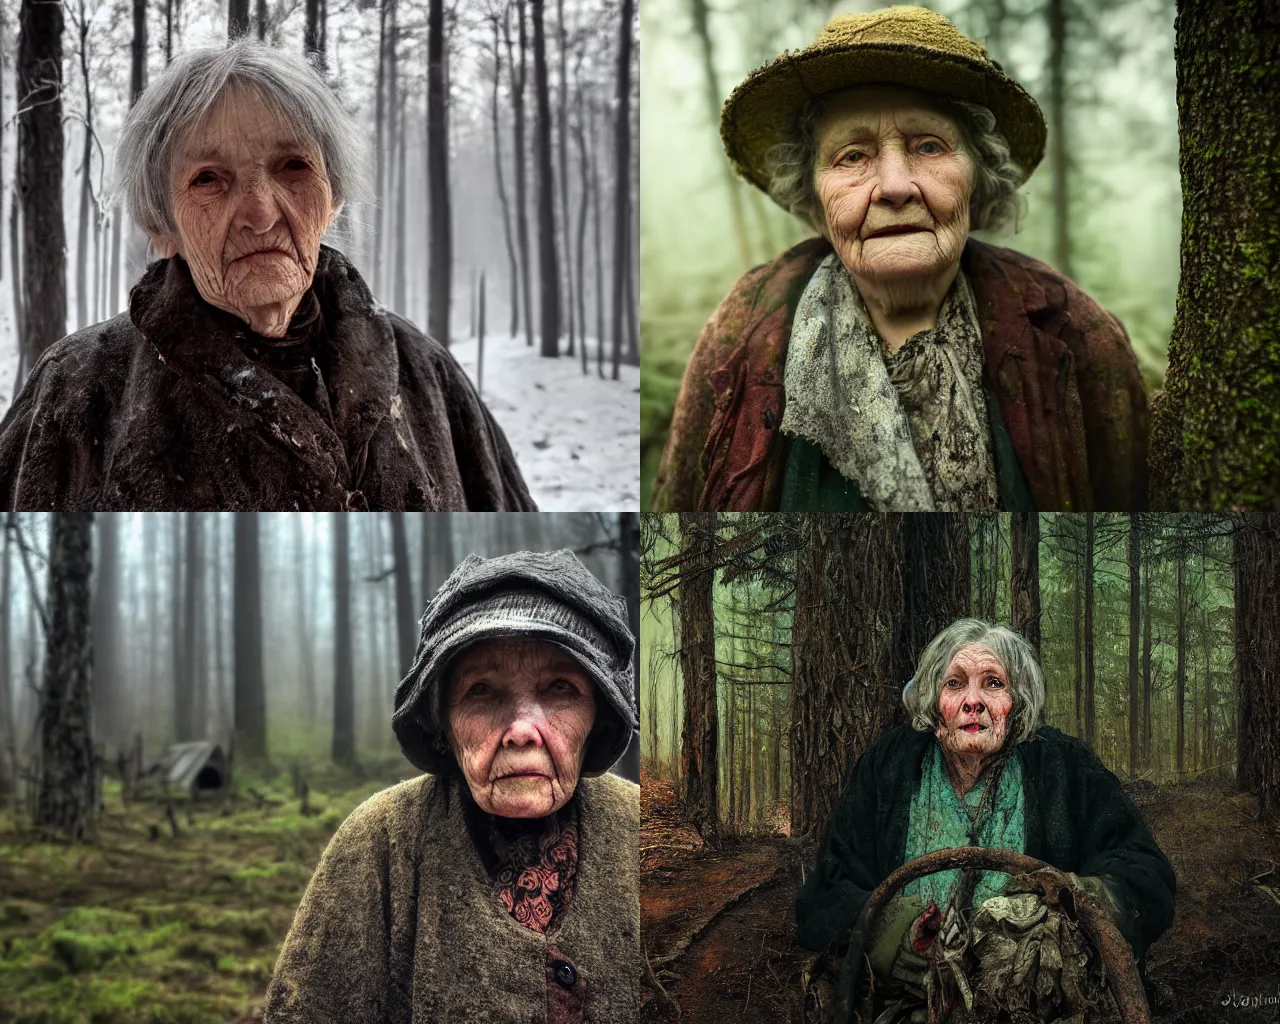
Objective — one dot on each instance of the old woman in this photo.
(973, 768)
(253, 369)
(895, 363)
(502, 886)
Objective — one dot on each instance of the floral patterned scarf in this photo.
(535, 864)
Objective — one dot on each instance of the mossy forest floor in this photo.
(142, 927)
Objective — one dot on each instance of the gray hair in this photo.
(993, 202)
(189, 87)
(1025, 680)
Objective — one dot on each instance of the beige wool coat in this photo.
(401, 924)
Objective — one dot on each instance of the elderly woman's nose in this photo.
(894, 183)
(525, 729)
(258, 209)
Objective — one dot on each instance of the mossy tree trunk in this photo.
(699, 769)
(1257, 558)
(1216, 430)
(68, 795)
(849, 610)
(1024, 580)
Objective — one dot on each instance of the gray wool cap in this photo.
(531, 595)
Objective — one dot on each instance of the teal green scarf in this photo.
(938, 822)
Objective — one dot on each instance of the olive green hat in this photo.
(909, 46)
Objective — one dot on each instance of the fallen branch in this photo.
(658, 990)
(681, 946)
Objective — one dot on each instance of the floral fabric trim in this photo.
(536, 872)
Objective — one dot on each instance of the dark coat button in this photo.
(565, 974)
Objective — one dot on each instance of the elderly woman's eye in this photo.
(296, 163)
(205, 178)
(995, 681)
(562, 686)
(477, 691)
(931, 147)
(854, 156)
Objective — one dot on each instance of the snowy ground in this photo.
(576, 438)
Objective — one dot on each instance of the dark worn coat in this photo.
(160, 408)
(400, 924)
(1060, 367)
(1077, 819)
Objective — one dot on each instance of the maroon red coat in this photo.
(1061, 368)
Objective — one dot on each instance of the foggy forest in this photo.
(1120, 204)
(164, 798)
(775, 649)
(501, 157)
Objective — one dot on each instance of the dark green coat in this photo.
(1077, 819)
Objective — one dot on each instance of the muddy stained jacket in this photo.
(1077, 818)
(400, 923)
(160, 408)
(1060, 368)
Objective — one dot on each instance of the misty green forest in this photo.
(1187, 659)
(1114, 229)
(243, 673)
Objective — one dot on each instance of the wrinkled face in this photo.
(251, 202)
(519, 715)
(893, 182)
(975, 702)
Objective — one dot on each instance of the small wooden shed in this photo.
(194, 768)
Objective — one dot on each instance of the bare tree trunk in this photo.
(562, 143)
(108, 696)
(305, 638)
(68, 796)
(596, 188)
(583, 204)
(40, 146)
(181, 684)
(1146, 667)
(1059, 141)
(438, 558)
(379, 152)
(400, 290)
(698, 752)
(548, 262)
(845, 688)
(518, 79)
(260, 19)
(406, 633)
(192, 727)
(1257, 558)
(1208, 666)
(1078, 575)
(313, 33)
(237, 19)
(1180, 683)
(513, 271)
(1135, 593)
(250, 697)
(935, 581)
(8, 732)
(622, 182)
(440, 209)
(1090, 703)
(344, 698)
(1024, 583)
(629, 553)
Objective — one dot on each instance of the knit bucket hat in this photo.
(901, 45)
(528, 595)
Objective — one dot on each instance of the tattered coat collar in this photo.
(192, 336)
(1059, 366)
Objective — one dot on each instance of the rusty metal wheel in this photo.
(1055, 889)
